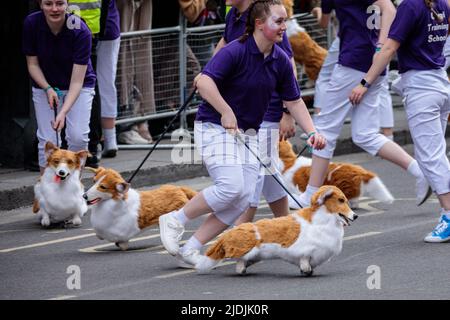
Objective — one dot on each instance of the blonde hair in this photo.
(259, 9)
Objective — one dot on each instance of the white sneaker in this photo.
(131, 137)
(187, 259)
(423, 190)
(171, 231)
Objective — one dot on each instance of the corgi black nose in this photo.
(355, 216)
(62, 172)
(85, 197)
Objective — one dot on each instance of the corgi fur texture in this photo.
(119, 212)
(58, 195)
(307, 238)
(353, 180)
(307, 52)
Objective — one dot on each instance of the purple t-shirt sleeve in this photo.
(82, 47)
(29, 39)
(227, 25)
(287, 86)
(404, 22)
(327, 6)
(220, 66)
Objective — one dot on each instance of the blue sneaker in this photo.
(441, 232)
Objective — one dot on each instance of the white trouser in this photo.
(365, 116)
(107, 56)
(233, 169)
(268, 136)
(385, 109)
(447, 53)
(77, 121)
(426, 97)
(325, 74)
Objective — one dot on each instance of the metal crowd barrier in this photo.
(156, 69)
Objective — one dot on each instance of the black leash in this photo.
(162, 134)
(268, 169)
(303, 150)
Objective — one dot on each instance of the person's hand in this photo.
(357, 94)
(52, 98)
(316, 141)
(287, 127)
(229, 122)
(317, 12)
(58, 124)
(194, 83)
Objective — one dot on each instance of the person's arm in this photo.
(298, 110)
(324, 20)
(209, 91)
(192, 8)
(287, 122)
(222, 43)
(387, 16)
(37, 75)
(379, 64)
(76, 84)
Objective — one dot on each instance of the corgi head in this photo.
(63, 162)
(109, 184)
(335, 203)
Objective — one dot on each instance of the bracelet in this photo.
(311, 134)
(285, 110)
(46, 89)
(377, 49)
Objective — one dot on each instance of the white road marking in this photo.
(62, 298)
(362, 235)
(94, 249)
(46, 243)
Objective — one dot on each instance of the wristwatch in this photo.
(364, 83)
(285, 110)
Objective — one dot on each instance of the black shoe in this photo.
(92, 162)
(111, 153)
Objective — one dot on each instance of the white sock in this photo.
(445, 213)
(306, 196)
(110, 138)
(181, 216)
(390, 137)
(192, 243)
(414, 169)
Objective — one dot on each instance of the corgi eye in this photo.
(55, 162)
(69, 162)
(102, 187)
(341, 200)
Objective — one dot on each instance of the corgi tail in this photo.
(212, 257)
(376, 189)
(36, 206)
(188, 192)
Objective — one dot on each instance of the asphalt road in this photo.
(383, 257)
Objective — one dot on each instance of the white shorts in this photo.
(77, 121)
(107, 56)
(268, 136)
(233, 169)
(426, 97)
(365, 116)
(447, 53)
(385, 109)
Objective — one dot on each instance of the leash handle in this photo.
(55, 112)
(186, 103)
(238, 137)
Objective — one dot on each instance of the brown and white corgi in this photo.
(119, 212)
(58, 196)
(353, 180)
(307, 238)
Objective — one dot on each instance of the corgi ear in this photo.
(82, 156)
(49, 148)
(319, 198)
(122, 187)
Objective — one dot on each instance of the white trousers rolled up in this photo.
(77, 121)
(107, 56)
(365, 116)
(426, 97)
(268, 136)
(233, 169)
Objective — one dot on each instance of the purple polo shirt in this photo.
(246, 81)
(421, 37)
(112, 25)
(358, 42)
(57, 54)
(234, 28)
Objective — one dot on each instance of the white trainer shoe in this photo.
(423, 190)
(187, 259)
(171, 231)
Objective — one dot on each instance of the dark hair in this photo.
(429, 4)
(259, 9)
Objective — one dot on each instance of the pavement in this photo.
(166, 165)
